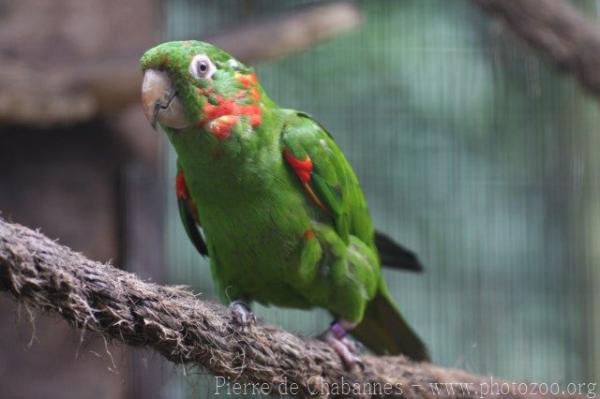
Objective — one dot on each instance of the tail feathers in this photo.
(385, 332)
(394, 255)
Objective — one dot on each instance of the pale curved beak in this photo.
(160, 101)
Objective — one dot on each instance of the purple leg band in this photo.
(338, 331)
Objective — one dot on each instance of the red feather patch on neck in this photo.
(221, 118)
(221, 127)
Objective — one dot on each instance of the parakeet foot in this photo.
(242, 314)
(346, 348)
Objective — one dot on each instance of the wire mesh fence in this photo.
(472, 152)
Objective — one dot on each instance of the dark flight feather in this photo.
(396, 256)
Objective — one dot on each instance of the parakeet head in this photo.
(195, 84)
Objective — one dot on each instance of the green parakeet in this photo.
(267, 194)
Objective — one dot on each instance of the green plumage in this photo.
(277, 231)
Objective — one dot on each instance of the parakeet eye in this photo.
(201, 67)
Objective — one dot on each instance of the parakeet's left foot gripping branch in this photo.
(337, 337)
(242, 314)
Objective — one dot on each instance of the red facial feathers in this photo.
(221, 127)
(221, 118)
(248, 81)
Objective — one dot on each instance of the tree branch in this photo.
(187, 330)
(558, 31)
(289, 33)
(79, 91)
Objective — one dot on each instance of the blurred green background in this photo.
(471, 151)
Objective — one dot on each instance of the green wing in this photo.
(326, 176)
(331, 184)
(189, 214)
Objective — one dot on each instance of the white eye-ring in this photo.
(202, 67)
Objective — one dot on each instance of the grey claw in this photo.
(346, 348)
(353, 345)
(241, 313)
